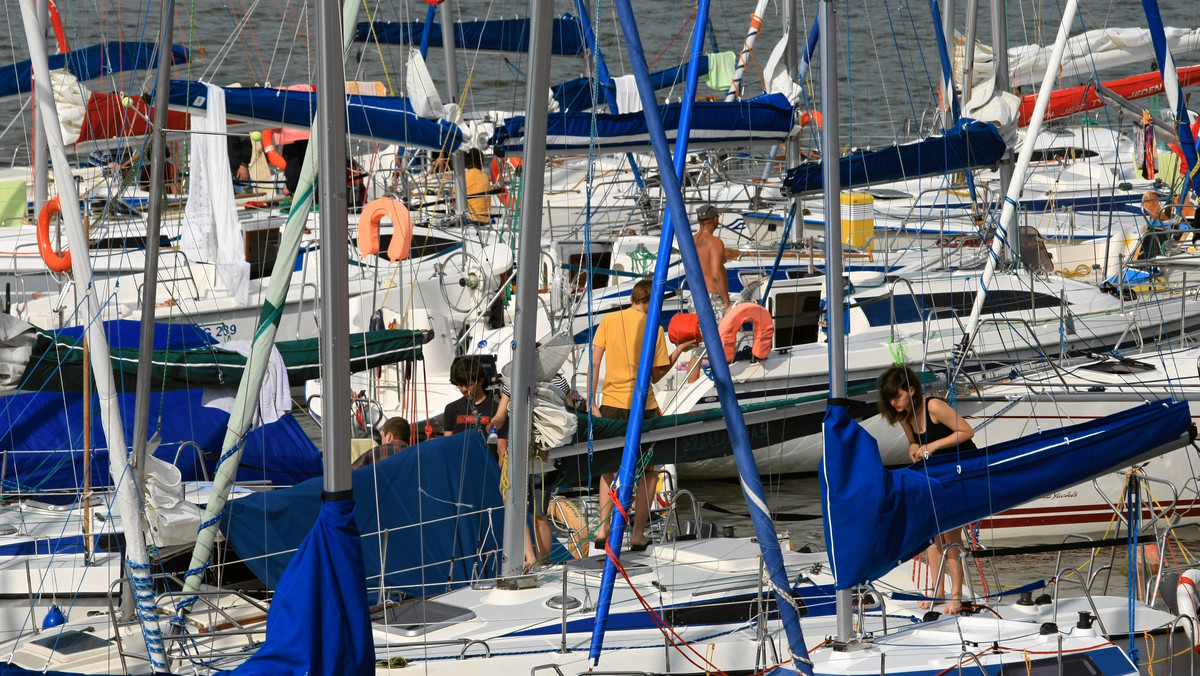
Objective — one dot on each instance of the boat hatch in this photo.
(419, 617)
(71, 644)
(1120, 366)
(594, 565)
(1050, 666)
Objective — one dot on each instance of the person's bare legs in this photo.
(954, 566)
(605, 506)
(541, 531)
(934, 553)
(641, 514)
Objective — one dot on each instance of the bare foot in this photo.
(924, 605)
(953, 607)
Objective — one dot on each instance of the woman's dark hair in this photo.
(474, 159)
(889, 384)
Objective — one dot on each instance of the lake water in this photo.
(889, 64)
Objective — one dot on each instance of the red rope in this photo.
(681, 30)
(669, 632)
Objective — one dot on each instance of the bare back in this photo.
(711, 251)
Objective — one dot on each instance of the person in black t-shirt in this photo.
(475, 410)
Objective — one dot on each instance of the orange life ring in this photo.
(58, 261)
(764, 329)
(402, 228)
(268, 146)
(810, 116)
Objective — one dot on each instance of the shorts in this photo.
(617, 413)
(541, 488)
(718, 306)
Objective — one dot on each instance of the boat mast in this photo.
(1009, 214)
(626, 475)
(158, 160)
(747, 47)
(832, 179)
(246, 402)
(40, 159)
(1000, 72)
(448, 51)
(335, 283)
(751, 482)
(128, 500)
(529, 249)
(1166, 63)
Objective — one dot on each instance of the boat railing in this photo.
(305, 288)
(1163, 541)
(1157, 514)
(967, 656)
(181, 271)
(199, 451)
(1172, 628)
(229, 627)
(1085, 585)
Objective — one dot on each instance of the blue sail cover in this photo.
(437, 505)
(89, 63)
(876, 518)
(42, 432)
(765, 119)
(576, 95)
(967, 145)
(319, 621)
(385, 118)
(496, 35)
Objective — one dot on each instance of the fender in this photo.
(58, 261)
(764, 329)
(402, 228)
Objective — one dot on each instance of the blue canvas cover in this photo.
(89, 63)
(496, 35)
(386, 118)
(576, 95)
(443, 494)
(876, 518)
(42, 431)
(765, 119)
(319, 622)
(967, 145)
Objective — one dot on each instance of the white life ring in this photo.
(1187, 595)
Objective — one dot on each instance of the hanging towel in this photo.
(628, 100)
(211, 230)
(275, 398)
(720, 70)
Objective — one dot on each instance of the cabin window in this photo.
(796, 317)
(911, 309)
(1067, 153)
(1120, 366)
(577, 270)
(262, 248)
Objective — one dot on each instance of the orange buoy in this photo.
(810, 116)
(268, 146)
(764, 329)
(58, 261)
(684, 327)
(402, 228)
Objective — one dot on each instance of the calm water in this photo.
(889, 63)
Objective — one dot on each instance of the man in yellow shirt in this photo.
(619, 337)
(479, 188)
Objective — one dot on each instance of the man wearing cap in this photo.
(712, 258)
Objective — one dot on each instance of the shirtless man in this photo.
(712, 257)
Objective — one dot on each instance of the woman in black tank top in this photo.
(902, 400)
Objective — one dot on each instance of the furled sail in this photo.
(967, 145)
(876, 517)
(765, 119)
(386, 118)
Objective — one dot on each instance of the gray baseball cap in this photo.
(706, 211)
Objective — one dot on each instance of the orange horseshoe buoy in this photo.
(58, 261)
(273, 156)
(402, 228)
(764, 329)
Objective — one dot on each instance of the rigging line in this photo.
(676, 37)
(382, 62)
(244, 23)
